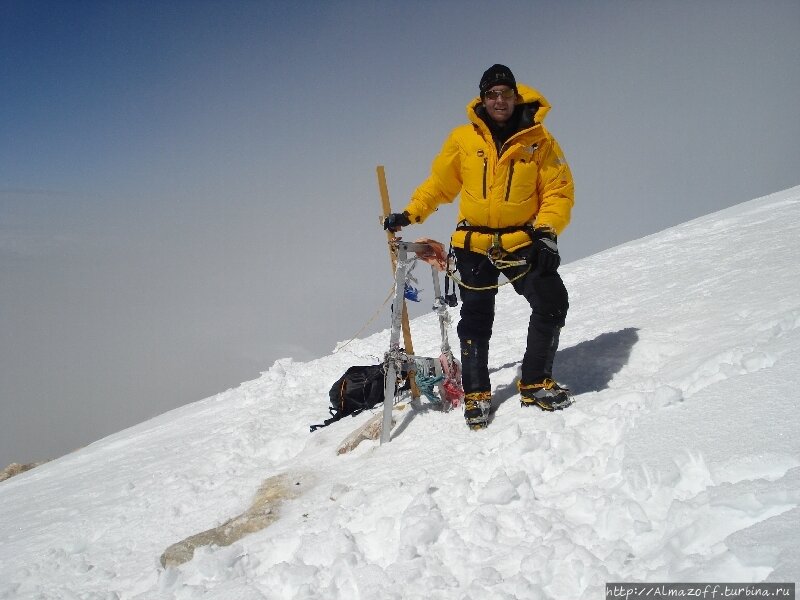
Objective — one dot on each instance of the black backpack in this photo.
(359, 389)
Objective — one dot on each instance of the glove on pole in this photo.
(395, 221)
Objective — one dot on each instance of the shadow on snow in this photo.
(585, 367)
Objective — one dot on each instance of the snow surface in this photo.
(680, 460)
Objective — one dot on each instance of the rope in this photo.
(452, 275)
(412, 261)
(497, 256)
(425, 385)
(369, 322)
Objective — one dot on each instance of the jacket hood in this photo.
(529, 96)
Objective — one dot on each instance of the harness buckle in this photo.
(495, 251)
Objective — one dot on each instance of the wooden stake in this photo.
(387, 210)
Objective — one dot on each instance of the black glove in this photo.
(395, 221)
(544, 251)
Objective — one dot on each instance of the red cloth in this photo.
(435, 255)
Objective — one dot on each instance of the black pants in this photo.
(549, 303)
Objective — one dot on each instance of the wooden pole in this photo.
(387, 210)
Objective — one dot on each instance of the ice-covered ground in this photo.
(680, 460)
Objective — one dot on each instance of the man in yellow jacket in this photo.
(516, 196)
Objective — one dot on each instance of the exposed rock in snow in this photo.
(261, 513)
(16, 469)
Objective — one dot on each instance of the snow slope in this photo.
(680, 460)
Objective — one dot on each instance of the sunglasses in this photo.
(495, 94)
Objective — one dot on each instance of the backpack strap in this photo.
(335, 418)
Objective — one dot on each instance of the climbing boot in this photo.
(545, 394)
(476, 409)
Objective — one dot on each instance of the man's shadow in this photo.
(586, 367)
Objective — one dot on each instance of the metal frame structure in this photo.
(396, 359)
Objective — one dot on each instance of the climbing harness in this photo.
(496, 255)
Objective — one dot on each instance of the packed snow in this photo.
(680, 460)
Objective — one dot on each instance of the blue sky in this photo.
(187, 189)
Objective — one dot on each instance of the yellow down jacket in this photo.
(527, 183)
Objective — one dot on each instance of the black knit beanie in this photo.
(497, 75)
